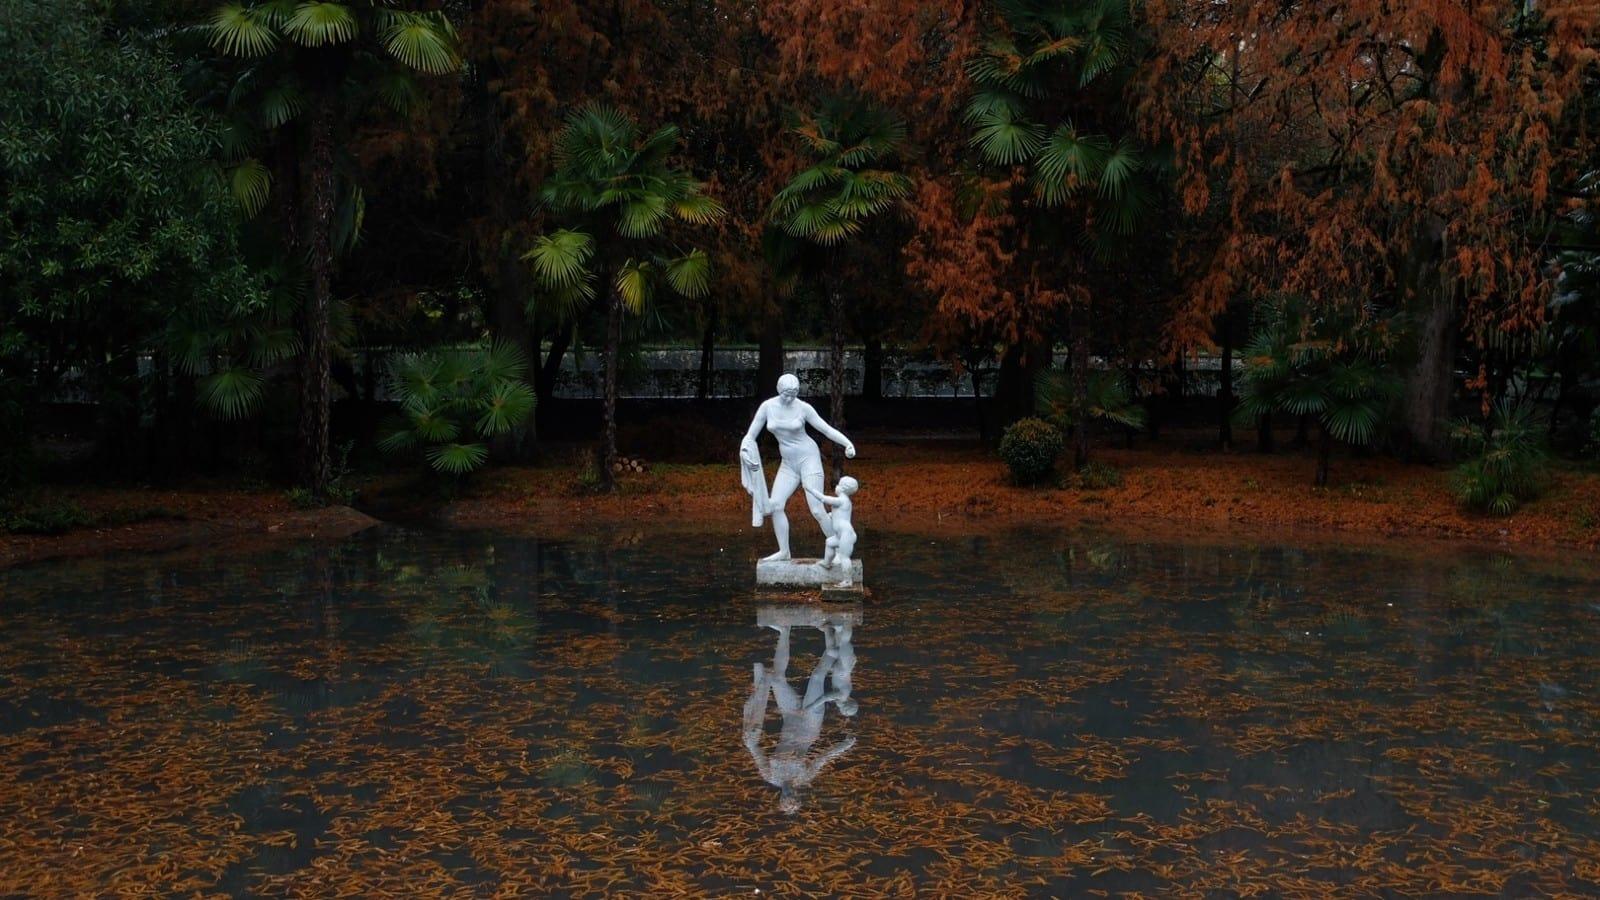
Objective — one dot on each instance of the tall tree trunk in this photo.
(508, 323)
(769, 358)
(708, 351)
(608, 438)
(120, 432)
(1013, 395)
(317, 353)
(836, 380)
(1225, 385)
(548, 371)
(872, 368)
(1324, 454)
(976, 374)
(1080, 394)
(1428, 389)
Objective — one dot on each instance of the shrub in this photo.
(52, 517)
(452, 401)
(1097, 476)
(1504, 461)
(1029, 449)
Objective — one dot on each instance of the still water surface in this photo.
(1033, 714)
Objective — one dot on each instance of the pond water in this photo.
(1034, 714)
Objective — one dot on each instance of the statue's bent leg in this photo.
(818, 511)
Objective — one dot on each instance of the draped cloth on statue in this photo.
(755, 481)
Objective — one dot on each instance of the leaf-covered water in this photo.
(1035, 714)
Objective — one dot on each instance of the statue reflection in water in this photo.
(792, 765)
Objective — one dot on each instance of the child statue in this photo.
(843, 540)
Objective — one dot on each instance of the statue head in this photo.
(788, 800)
(848, 486)
(788, 387)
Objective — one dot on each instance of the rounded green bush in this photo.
(1029, 448)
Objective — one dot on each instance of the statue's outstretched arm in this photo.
(833, 753)
(815, 420)
(824, 498)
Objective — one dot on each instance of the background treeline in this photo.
(209, 211)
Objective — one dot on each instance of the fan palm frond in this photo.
(242, 31)
(689, 275)
(231, 393)
(561, 259)
(250, 183)
(635, 283)
(1006, 138)
(321, 24)
(505, 408)
(458, 459)
(422, 41)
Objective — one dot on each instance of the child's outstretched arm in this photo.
(826, 500)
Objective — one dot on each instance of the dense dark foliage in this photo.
(1061, 198)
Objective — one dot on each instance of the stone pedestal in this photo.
(806, 573)
(809, 615)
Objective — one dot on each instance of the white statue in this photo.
(843, 540)
(787, 416)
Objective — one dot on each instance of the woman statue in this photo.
(787, 416)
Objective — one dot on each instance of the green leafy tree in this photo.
(851, 147)
(617, 187)
(1049, 103)
(1106, 399)
(452, 402)
(1330, 364)
(310, 68)
(112, 217)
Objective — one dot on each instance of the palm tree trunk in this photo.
(872, 369)
(708, 349)
(508, 323)
(1080, 396)
(769, 356)
(315, 363)
(547, 371)
(1324, 453)
(608, 440)
(836, 381)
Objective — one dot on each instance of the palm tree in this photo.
(449, 397)
(1106, 399)
(1503, 459)
(830, 202)
(617, 186)
(1333, 365)
(307, 64)
(1049, 98)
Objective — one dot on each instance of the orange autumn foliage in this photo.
(1369, 150)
